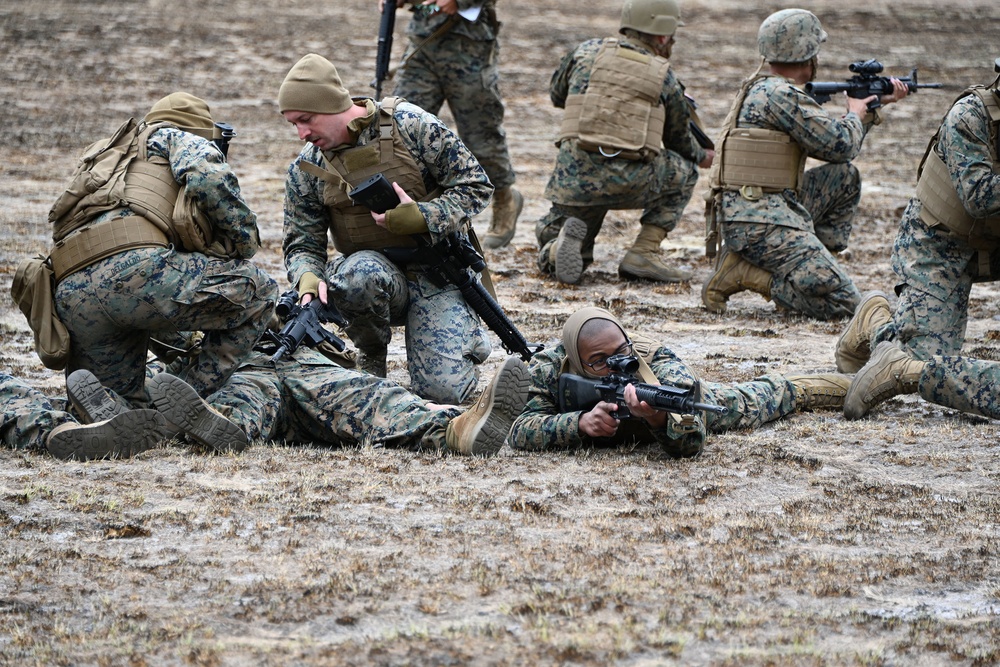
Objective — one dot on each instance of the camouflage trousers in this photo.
(662, 188)
(464, 73)
(960, 383)
(309, 398)
(751, 404)
(445, 340)
(112, 306)
(936, 270)
(26, 415)
(805, 276)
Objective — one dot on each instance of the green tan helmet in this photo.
(790, 36)
(653, 17)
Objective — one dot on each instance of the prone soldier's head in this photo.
(187, 112)
(790, 36)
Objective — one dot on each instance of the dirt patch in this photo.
(812, 541)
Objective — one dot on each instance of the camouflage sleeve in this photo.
(541, 426)
(306, 220)
(777, 104)
(211, 184)
(444, 160)
(559, 83)
(677, 128)
(676, 439)
(964, 144)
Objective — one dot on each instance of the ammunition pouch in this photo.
(755, 158)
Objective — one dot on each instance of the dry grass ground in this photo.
(811, 542)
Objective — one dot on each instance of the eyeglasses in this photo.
(602, 364)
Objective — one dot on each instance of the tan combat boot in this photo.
(819, 390)
(890, 372)
(733, 274)
(483, 428)
(124, 435)
(182, 407)
(507, 205)
(643, 259)
(566, 254)
(854, 345)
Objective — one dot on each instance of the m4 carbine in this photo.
(865, 83)
(304, 324)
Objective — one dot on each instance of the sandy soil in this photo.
(813, 541)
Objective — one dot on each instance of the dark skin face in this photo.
(599, 421)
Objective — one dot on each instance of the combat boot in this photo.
(890, 372)
(643, 259)
(507, 205)
(482, 429)
(819, 390)
(92, 401)
(854, 345)
(567, 252)
(122, 436)
(181, 405)
(733, 274)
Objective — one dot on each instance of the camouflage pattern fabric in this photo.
(751, 404)
(935, 268)
(26, 415)
(461, 68)
(308, 398)
(587, 185)
(111, 306)
(960, 383)
(793, 235)
(455, 333)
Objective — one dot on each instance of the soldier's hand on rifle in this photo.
(310, 283)
(709, 158)
(899, 91)
(654, 418)
(599, 422)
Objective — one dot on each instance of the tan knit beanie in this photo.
(313, 85)
(186, 111)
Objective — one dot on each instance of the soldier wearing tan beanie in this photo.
(439, 184)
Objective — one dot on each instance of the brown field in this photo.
(811, 542)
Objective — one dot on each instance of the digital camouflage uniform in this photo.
(460, 67)
(935, 268)
(587, 185)
(789, 234)
(751, 404)
(113, 305)
(445, 340)
(960, 383)
(309, 398)
(27, 416)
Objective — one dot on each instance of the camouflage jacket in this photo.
(211, 183)
(964, 145)
(443, 161)
(427, 18)
(542, 426)
(775, 103)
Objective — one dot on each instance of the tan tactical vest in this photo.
(620, 114)
(940, 202)
(355, 229)
(752, 161)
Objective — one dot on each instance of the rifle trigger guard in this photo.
(600, 149)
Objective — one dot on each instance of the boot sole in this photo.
(508, 394)
(90, 398)
(180, 404)
(123, 436)
(848, 362)
(569, 257)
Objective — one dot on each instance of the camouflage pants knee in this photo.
(26, 415)
(445, 340)
(960, 383)
(112, 306)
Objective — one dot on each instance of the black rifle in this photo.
(384, 53)
(448, 262)
(226, 134)
(864, 83)
(578, 393)
(304, 324)
(699, 134)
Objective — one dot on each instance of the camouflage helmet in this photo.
(790, 36)
(652, 17)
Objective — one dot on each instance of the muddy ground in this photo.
(814, 541)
